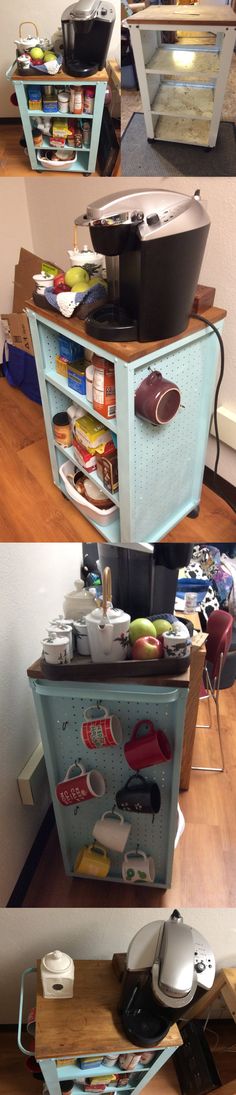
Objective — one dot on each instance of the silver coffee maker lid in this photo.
(82, 10)
(154, 213)
(179, 957)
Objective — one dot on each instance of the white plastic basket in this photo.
(103, 517)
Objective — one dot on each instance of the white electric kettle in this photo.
(108, 628)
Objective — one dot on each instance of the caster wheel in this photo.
(194, 512)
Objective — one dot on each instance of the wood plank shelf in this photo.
(184, 63)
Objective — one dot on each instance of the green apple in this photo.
(49, 56)
(161, 626)
(76, 274)
(36, 53)
(95, 281)
(138, 629)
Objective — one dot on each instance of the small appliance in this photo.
(154, 242)
(87, 28)
(167, 963)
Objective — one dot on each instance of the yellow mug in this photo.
(93, 860)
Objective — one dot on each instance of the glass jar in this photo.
(89, 96)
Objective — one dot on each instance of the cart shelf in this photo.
(175, 100)
(60, 382)
(181, 131)
(184, 63)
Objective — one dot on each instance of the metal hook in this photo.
(76, 808)
(65, 724)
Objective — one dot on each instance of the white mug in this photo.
(138, 867)
(112, 831)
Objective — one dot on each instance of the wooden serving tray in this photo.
(83, 669)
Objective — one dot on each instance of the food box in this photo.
(61, 366)
(107, 469)
(91, 432)
(77, 378)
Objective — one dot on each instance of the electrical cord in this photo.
(224, 1049)
(207, 322)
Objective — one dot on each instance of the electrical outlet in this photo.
(33, 779)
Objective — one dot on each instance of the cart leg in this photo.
(224, 67)
(21, 99)
(49, 1070)
(96, 125)
(136, 42)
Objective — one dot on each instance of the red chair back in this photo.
(220, 628)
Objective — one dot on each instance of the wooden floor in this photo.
(204, 871)
(33, 509)
(16, 1080)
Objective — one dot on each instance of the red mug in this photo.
(73, 790)
(157, 399)
(146, 749)
(101, 731)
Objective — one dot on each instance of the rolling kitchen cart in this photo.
(85, 1026)
(60, 707)
(86, 156)
(182, 83)
(160, 468)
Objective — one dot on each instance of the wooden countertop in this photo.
(89, 1023)
(127, 351)
(76, 671)
(61, 78)
(186, 15)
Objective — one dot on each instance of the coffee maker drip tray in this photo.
(110, 322)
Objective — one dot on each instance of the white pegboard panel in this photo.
(62, 718)
(167, 459)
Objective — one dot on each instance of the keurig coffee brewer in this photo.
(87, 28)
(167, 962)
(154, 242)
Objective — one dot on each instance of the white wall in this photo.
(219, 263)
(15, 229)
(47, 18)
(34, 579)
(27, 934)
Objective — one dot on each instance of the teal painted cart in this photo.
(85, 160)
(88, 1026)
(160, 468)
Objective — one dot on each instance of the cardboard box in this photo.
(16, 325)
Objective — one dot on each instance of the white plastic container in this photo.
(78, 603)
(57, 975)
(103, 517)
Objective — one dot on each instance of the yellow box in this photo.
(61, 366)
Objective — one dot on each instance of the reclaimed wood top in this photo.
(117, 672)
(127, 351)
(186, 15)
(61, 78)
(89, 1023)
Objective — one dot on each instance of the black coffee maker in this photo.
(154, 242)
(167, 963)
(87, 28)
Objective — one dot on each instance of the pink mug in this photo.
(75, 789)
(157, 399)
(145, 749)
(101, 731)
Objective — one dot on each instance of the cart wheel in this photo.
(194, 512)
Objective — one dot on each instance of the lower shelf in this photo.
(188, 102)
(111, 532)
(183, 131)
(81, 164)
(184, 63)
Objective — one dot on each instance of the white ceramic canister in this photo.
(79, 602)
(89, 382)
(82, 643)
(57, 975)
(94, 262)
(56, 650)
(177, 642)
(64, 629)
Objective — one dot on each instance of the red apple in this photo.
(147, 647)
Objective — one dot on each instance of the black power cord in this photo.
(202, 319)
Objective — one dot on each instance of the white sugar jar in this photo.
(57, 975)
